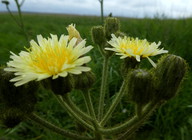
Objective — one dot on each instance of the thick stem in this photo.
(139, 122)
(56, 129)
(101, 50)
(103, 87)
(115, 102)
(148, 109)
(73, 114)
(90, 108)
(138, 110)
(70, 103)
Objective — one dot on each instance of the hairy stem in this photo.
(90, 108)
(70, 103)
(72, 113)
(56, 129)
(103, 87)
(115, 102)
(148, 109)
(138, 110)
(139, 122)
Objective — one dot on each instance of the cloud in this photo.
(129, 8)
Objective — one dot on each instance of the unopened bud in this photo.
(72, 31)
(121, 34)
(22, 97)
(5, 2)
(169, 73)
(98, 35)
(112, 26)
(61, 86)
(84, 80)
(10, 118)
(140, 86)
(128, 64)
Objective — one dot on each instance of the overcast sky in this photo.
(127, 8)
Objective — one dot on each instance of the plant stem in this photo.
(101, 50)
(117, 99)
(138, 110)
(73, 114)
(149, 108)
(70, 103)
(21, 21)
(90, 108)
(103, 87)
(12, 16)
(139, 122)
(102, 16)
(56, 129)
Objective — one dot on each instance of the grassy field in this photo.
(173, 121)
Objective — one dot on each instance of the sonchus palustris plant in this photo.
(60, 65)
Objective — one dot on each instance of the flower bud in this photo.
(121, 34)
(72, 31)
(11, 117)
(127, 65)
(61, 86)
(140, 86)
(98, 35)
(5, 2)
(169, 73)
(112, 25)
(22, 97)
(84, 80)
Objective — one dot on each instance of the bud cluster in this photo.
(101, 34)
(170, 72)
(140, 86)
(160, 83)
(15, 99)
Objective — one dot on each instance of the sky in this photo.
(125, 8)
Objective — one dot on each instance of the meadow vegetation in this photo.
(173, 121)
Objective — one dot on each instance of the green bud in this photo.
(22, 97)
(11, 117)
(5, 2)
(140, 86)
(84, 80)
(98, 35)
(127, 65)
(121, 34)
(112, 26)
(170, 72)
(61, 85)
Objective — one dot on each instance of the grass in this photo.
(173, 121)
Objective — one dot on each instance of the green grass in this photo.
(173, 121)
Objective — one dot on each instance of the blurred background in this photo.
(168, 21)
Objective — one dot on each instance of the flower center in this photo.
(135, 46)
(50, 60)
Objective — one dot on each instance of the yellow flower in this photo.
(72, 31)
(50, 57)
(130, 47)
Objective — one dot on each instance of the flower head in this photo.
(50, 57)
(130, 47)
